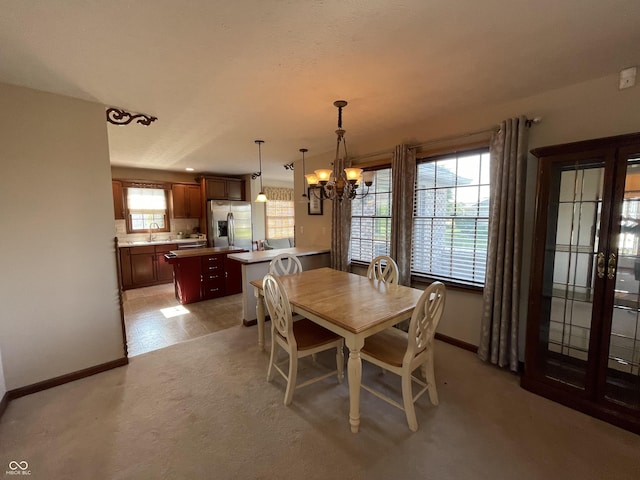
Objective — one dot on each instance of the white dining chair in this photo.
(383, 268)
(402, 352)
(285, 264)
(299, 339)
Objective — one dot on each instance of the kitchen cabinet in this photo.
(186, 200)
(213, 276)
(205, 274)
(583, 325)
(144, 266)
(118, 200)
(164, 271)
(219, 188)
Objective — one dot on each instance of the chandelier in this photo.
(343, 185)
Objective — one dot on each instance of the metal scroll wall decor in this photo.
(118, 116)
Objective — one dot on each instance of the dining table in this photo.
(350, 305)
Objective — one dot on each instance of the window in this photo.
(280, 218)
(146, 208)
(451, 217)
(371, 220)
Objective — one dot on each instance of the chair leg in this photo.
(429, 375)
(291, 381)
(340, 361)
(272, 360)
(407, 398)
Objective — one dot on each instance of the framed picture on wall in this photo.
(315, 200)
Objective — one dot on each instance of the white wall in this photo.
(3, 385)
(311, 230)
(587, 110)
(58, 288)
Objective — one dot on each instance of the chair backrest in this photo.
(279, 308)
(383, 268)
(425, 319)
(285, 264)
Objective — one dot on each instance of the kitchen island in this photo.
(255, 265)
(205, 273)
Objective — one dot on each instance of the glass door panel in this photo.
(623, 363)
(571, 252)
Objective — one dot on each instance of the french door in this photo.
(583, 326)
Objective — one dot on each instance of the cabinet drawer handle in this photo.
(213, 268)
(600, 265)
(214, 289)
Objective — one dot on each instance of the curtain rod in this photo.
(528, 122)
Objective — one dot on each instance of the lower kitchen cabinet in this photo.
(205, 274)
(213, 276)
(145, 266)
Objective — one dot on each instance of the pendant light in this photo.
(261, 198)
(305, 198)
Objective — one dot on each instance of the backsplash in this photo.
(185, 226)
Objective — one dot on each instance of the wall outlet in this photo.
(627, 78)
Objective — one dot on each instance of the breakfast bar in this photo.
(255, 265)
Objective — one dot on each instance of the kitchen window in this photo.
(371, 220)
(280, 218)
(146, 209)
(451, 217)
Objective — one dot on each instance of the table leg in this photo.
(354, 369)
(260, 319)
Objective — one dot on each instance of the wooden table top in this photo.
(351, 301)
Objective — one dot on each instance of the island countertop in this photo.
(264, 256)
(199, 252)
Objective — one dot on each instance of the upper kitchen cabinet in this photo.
(118, 200)
(187, 202)
(218, 188)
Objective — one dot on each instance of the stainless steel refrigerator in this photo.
(230, 224)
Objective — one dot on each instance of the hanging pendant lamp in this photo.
(261, 198)
(305, 198)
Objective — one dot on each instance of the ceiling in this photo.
(220, 74)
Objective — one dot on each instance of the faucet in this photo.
(151, 230)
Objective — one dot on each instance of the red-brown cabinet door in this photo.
(233, 282)
(143, 265)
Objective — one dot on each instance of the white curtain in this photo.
(501, 302)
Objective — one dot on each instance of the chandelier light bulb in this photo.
(323, 174)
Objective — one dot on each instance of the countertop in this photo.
(267, 255)
(199, 252)
(175, 241)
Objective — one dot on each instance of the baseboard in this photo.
(69, 377)
(456, 342)
(4, 403)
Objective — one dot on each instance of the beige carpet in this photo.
(203, 410)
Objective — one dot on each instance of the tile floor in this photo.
(154, 319)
